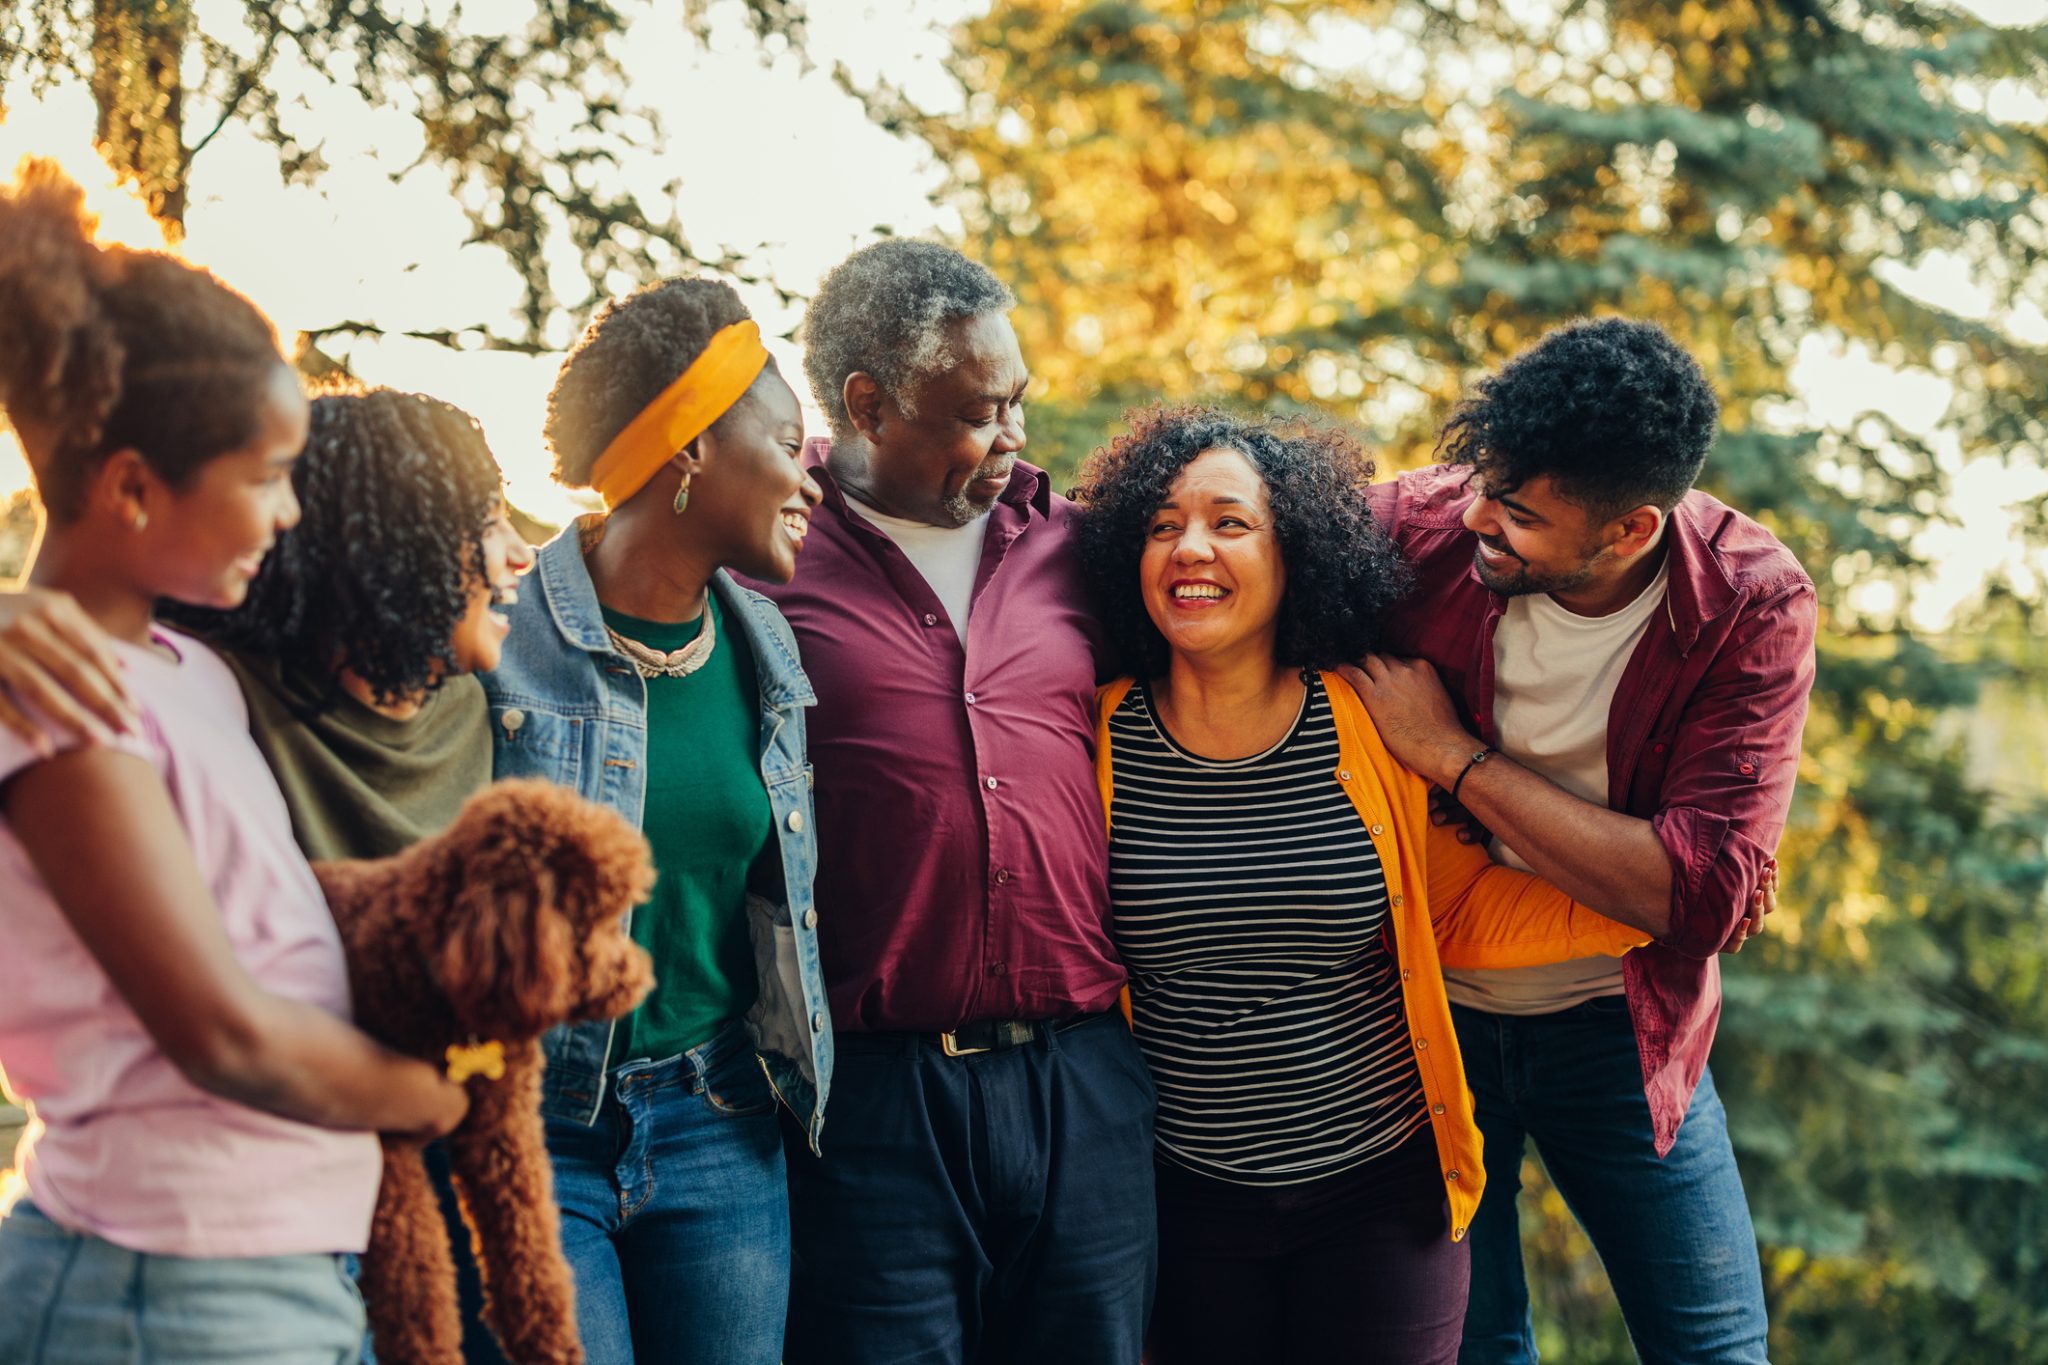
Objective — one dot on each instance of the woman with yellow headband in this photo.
(641, 675)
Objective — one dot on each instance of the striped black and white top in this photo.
(1249, 907)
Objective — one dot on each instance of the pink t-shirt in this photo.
(124, 1147)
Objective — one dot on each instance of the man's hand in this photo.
(56, 659)
(1414, 715)
(1762, 902)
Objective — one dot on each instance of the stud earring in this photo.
(683, 495)
(141, 520)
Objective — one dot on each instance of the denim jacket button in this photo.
(811, 918)
(512, 720)
(796, 822)
(817, 1021)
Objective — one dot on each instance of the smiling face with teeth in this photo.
(1212, 574)
(750, 496)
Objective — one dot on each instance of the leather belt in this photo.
(995, 1035)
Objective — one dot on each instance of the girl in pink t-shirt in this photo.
(173, 1003)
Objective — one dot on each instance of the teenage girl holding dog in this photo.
(173, 1001)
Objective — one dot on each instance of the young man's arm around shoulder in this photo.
(1697, 875)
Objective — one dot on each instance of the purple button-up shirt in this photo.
(961, 855)
(1702, 738)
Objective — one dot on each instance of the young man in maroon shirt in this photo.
(1609, 671)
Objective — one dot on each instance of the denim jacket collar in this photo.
(572, 602)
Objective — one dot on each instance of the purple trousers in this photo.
(1358, 1266)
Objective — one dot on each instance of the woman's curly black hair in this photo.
(1614, 411)
(633, 349)
(395, 493)
(1343, 573)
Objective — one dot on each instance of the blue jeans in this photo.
(675, 1211)
(989, 1208)
(1674, 1234)
(71, 1299)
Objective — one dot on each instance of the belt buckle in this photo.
(951, 1047)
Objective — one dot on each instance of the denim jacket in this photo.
(566, 707)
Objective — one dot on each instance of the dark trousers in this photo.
(989, 1208)
(1358, 1266)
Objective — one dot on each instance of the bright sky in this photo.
(774, 161)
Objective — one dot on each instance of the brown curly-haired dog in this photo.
(491, 933)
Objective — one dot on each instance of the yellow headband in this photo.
(700, 396)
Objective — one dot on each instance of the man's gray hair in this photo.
(883, 311)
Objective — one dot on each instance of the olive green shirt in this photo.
(358, 783)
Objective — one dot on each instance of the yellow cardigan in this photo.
(1449, 905)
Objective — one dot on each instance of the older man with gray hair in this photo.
(986, 1185)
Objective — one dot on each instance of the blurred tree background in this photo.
(1356, 207)
(530, 121)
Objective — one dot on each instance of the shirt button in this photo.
(796, 822)
(512, 720)
(1436, 1109)
(991, 784)
(1747, 769)
(970, 699)
(1002, 875)
(1457, 1234)
(1344, 775)
(811, 918)
(930, 619)
(1422, 1044)
(1450, 1175)
(998, 969)
(1375, 831)
(1404, 974)
(1397, 902)
(817, 1021)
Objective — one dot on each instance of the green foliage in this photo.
(529, 123)
(1356, 205)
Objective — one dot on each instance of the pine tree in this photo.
(1356, 207)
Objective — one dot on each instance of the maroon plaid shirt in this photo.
(1702, 740)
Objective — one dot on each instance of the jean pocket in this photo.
(739, 1088)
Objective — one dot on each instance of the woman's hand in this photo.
(55, 659)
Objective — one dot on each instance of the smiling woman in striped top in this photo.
(1284, 905)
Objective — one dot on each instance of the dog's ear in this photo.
(507, 954)
(600, 861)
(508, 943)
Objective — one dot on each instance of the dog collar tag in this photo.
(476, 1059)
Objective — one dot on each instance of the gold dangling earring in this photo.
(683, 494)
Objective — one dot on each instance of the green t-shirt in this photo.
(708, 821)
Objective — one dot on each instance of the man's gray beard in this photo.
(962, 510)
